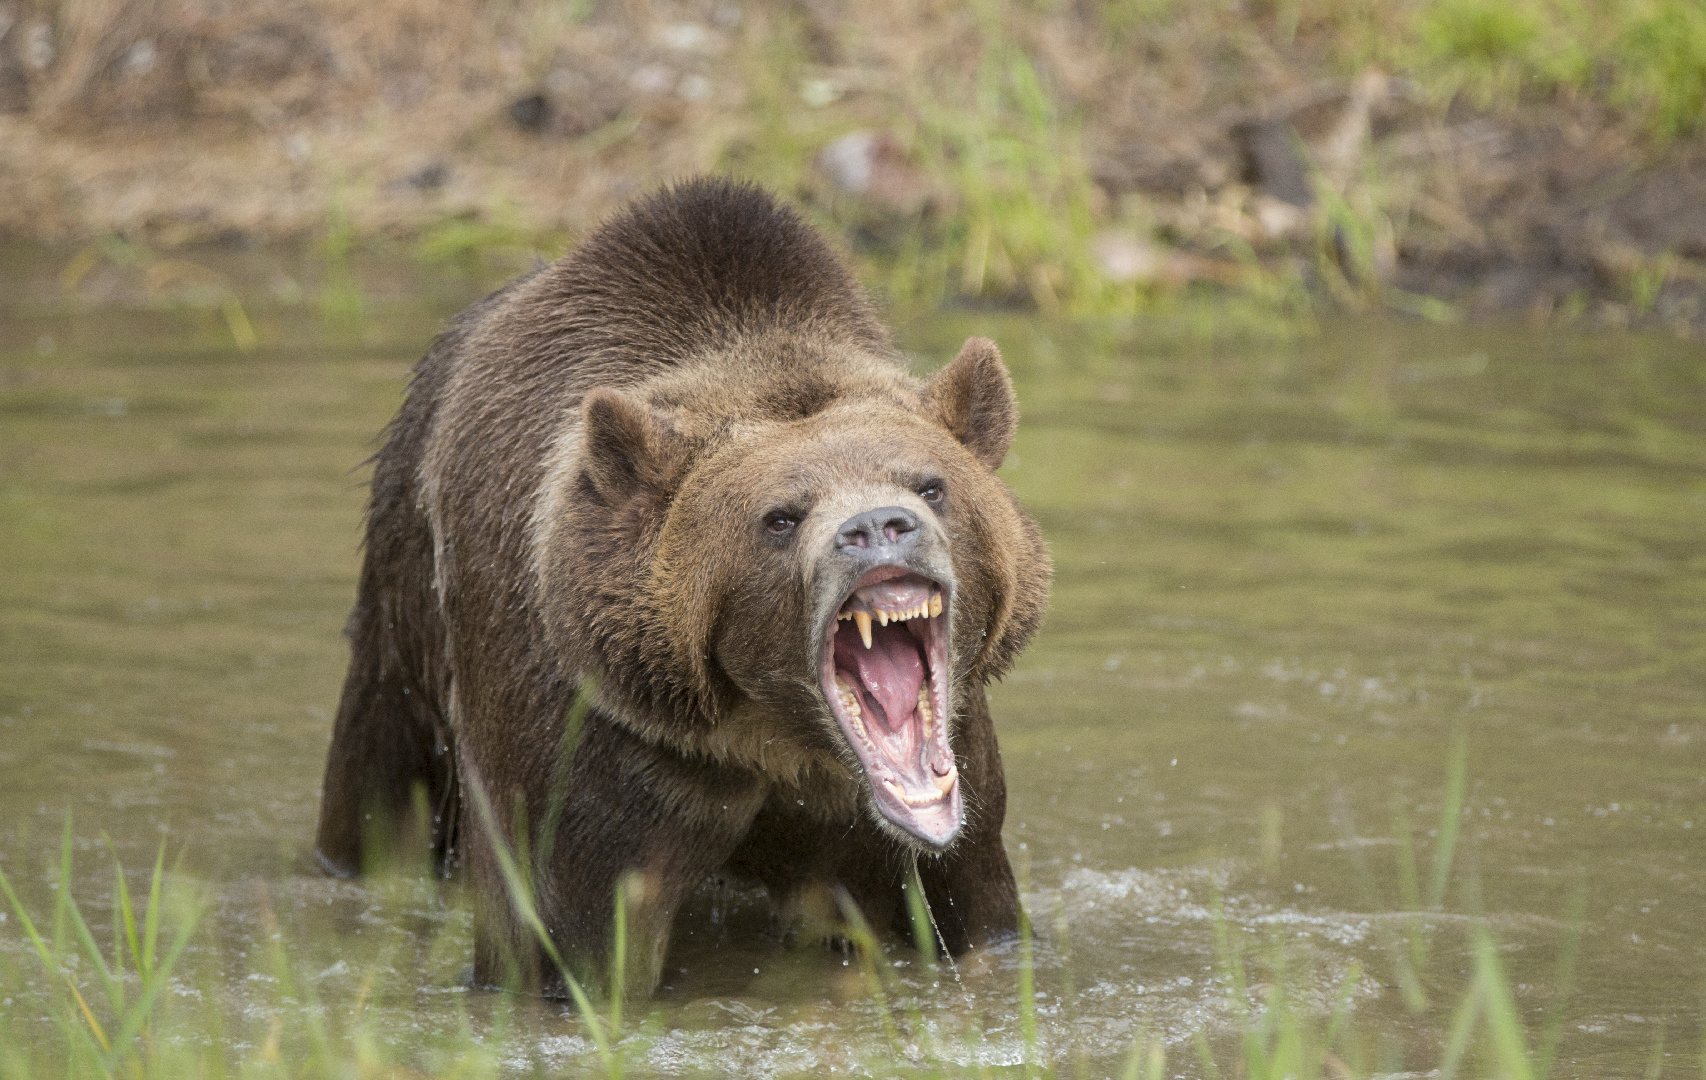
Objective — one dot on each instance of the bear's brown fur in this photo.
(679, 472)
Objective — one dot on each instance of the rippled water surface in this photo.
(1285, 574)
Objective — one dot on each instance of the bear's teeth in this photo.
(916, 800)
(849, 700)
(850, 704)
(945, 782)
(924, 609)
(924, 711)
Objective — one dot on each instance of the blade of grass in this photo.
(923, 931)
(522, 898)
(1404, 970)
(1134, 1059)
(619, 961)
(1656, 1063)
(160, 973)
(63, 899)
(1563, 981)
(865, 943)
(1504, 1020)
(109, 985)
(145, 960)
(1450, 818)
(1228, 950)
(574, 719)
(41, 947)
(1462, 1028)
(89, 1016)
(1341, 1009)
(124, 919)
(1409, 884)
(1155, 1061)
(1027, 992)
(1205, 1054)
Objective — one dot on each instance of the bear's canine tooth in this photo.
(945, 782)
(935, 604)
(862, 619)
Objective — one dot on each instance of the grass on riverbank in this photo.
(1097, 158)
(133, 1006)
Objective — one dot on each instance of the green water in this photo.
(1286, 573)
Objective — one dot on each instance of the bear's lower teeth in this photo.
(849, 700)
(850, 703)
(919, 800)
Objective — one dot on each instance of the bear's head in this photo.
(805, 556)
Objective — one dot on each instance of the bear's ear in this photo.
(628, 446)
(973, 398)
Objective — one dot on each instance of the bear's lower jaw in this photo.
(886, 686)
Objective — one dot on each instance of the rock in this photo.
(872, 166)
(1123, 257)
(1274, 160)
(430, 176)
(530, 112)
(653, 79)
(1278, 218)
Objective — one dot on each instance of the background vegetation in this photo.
(1540, 157)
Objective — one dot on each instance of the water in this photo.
(1286, 574)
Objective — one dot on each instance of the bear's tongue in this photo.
(889, 673)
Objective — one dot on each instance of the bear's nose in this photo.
(893, 527)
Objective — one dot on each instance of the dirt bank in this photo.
(1082, 157)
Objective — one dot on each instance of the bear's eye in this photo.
(780, 522)
(931, 492)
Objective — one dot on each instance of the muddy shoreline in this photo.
(1029, 158)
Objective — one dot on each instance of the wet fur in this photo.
(569, 497)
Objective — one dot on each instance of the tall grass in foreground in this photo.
(118, 1010)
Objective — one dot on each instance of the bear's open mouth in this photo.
(885, 668)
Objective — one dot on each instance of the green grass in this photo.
(1647, 57)
(1015, 210)
(117, 1007)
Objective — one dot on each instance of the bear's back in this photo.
(686, 271)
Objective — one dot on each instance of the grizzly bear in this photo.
(671, 571)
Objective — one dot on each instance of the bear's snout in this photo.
(886, 532)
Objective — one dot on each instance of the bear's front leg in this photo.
(625, 813)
